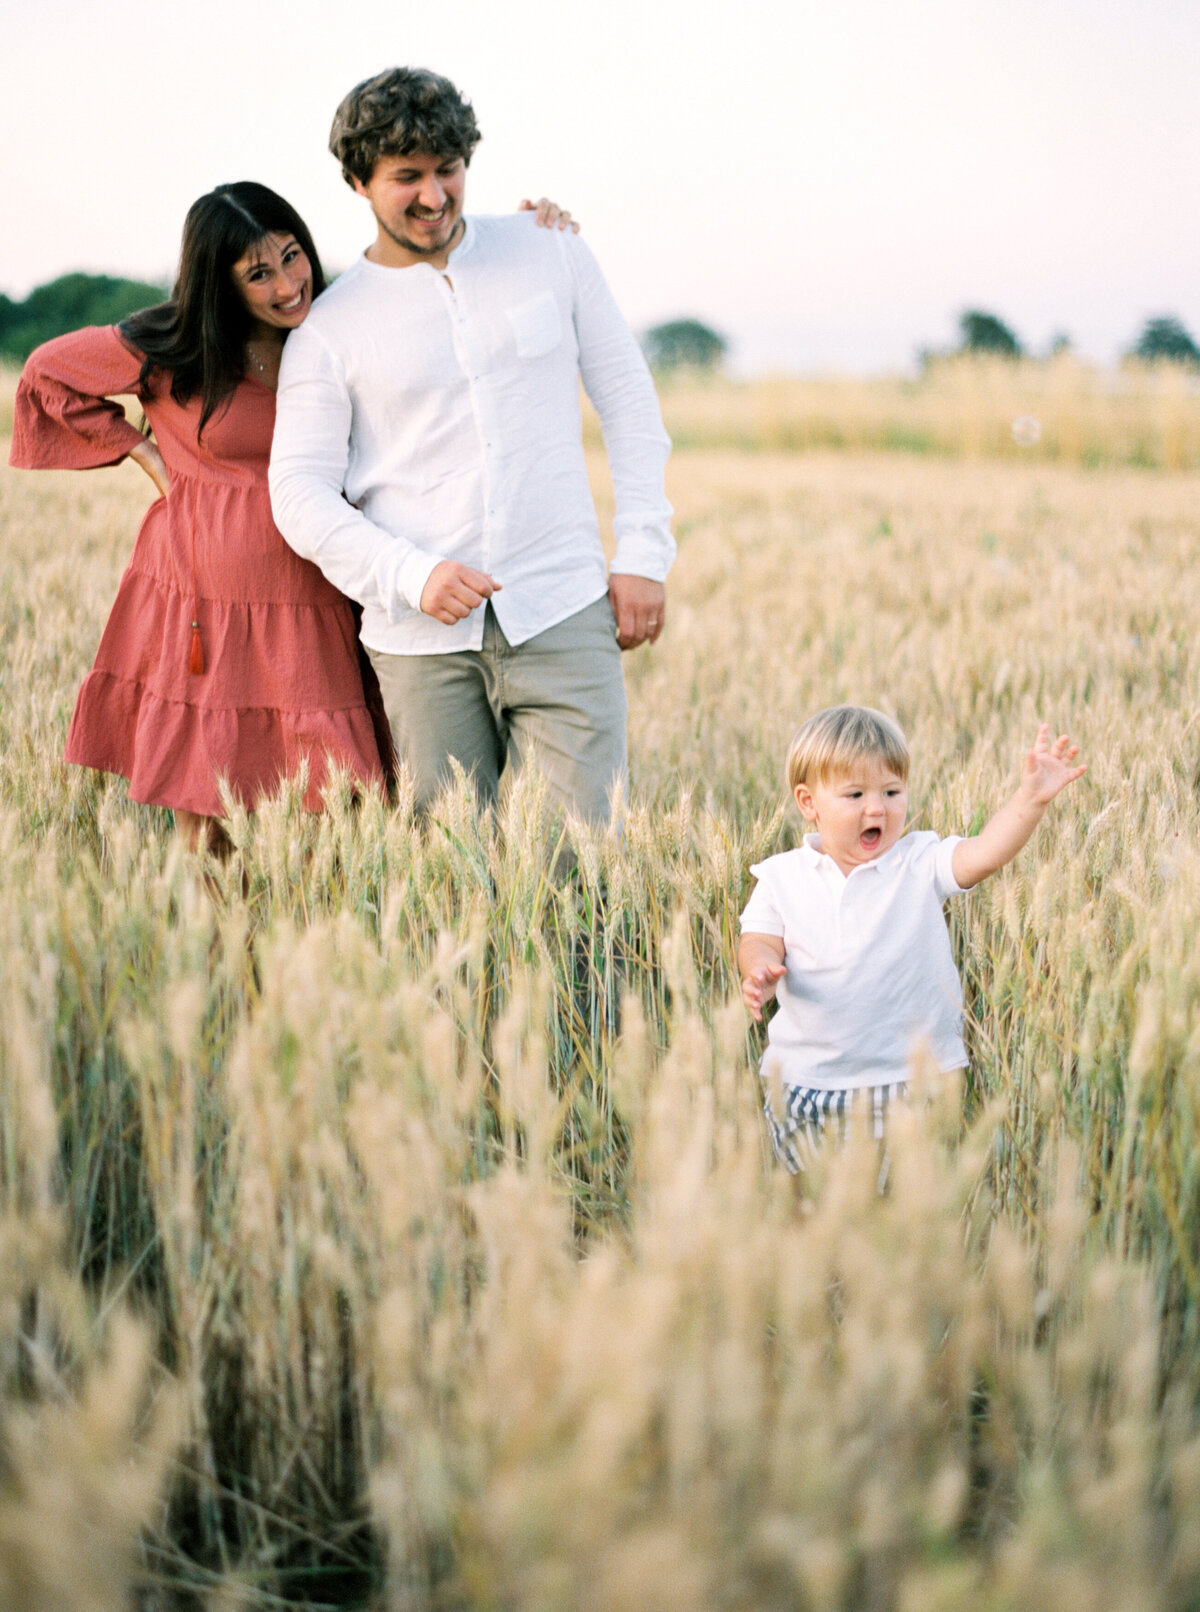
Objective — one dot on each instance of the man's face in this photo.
(417, 201)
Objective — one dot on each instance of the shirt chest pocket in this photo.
(536, 325)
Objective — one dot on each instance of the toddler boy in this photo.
(848, 930)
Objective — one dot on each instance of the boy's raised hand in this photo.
(759, 986)
(1048, 768)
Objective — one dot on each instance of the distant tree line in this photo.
(74, 300)
(687, 344)
(66, 304)
(1163, 337)
(683, 344)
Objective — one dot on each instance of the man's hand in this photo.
(640, 607)
(454, 590)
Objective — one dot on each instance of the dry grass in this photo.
(966, 407)
(442, 1192)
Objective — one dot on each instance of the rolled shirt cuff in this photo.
(642, 557)
(411, 576)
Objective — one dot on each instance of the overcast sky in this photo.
(827, 182)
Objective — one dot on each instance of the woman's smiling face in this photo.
(274, 280)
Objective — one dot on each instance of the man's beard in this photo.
(416, 247)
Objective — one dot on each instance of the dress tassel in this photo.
(196, 658)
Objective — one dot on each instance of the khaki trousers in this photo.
(557, 700)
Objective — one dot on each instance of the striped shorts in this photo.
(810, 1113)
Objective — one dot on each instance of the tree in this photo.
(67, 303)
(683, 344)
(1165, 337)
(981, 332)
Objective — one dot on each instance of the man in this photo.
(428, 457)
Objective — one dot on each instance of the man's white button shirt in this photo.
(426, 415)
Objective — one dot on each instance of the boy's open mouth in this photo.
(871, 836)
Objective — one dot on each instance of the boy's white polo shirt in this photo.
(869, 968)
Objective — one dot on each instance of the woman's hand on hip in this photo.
(147, 457)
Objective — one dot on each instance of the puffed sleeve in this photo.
(62, 417)
(944, 881)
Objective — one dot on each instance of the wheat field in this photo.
(386, 1223)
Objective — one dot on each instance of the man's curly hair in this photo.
(396, 113)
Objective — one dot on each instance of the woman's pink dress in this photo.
(282, 680)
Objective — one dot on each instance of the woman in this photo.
(226, 656)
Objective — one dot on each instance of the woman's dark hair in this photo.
(199, 336)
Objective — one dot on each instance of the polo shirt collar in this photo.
(815, 857)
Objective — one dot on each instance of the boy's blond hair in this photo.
(830, 744)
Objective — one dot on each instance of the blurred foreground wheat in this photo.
(394, 1226)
